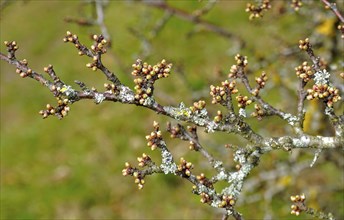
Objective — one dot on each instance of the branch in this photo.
(300, 206)
(194, 18)
(333, 7)
(100, 18)
(322, 88)
(247, 157)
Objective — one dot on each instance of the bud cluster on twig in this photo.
(139, 178)
(185, 167)
(323, 91)
(61, 110)
(236, 70)
(298, 204)
(12, 47)
(155, 137)
(256, 11)
(26, 72)
(261, 81)
(304, 72)
(146, 77)
(221, 94)
(296, 4)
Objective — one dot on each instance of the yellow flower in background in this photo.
(327, 27)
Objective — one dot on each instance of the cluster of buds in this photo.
(155, 137)
(324, 91)
(61, 110)
(220, 93)
(93, 65)
(197, 106)
(304, 44)
(260, 83)
(304, 71)
(202, 179)
(147, 75)
(205, 198)
(11, 48)
(184, 167)
(243, 101)
(218, 116)
(73, 38)
(227, 201)
(341, 29)
(50, 110)
(99, 45)
(193, 130)
(192, 145)
(128, 170)
(26, 73)
(179, 132)
(98, 48)
(48, 68)
(298, 205)
(259, 112)
(175, 130)
(111, 88)
(11, 45)
(144, 160)
(296, 4)
(241, 61)
(139, 178)
(257, 11)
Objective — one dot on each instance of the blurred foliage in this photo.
(71, 169)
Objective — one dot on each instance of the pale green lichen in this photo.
(242, 112)
(126, 95)
(167, 166)
(68, 92)
(211, 127)
(99, 98)
(222, 176)
(182, 111)
(148, 101)
(322, 77)
(290, 119)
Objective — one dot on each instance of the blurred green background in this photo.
(71, 168)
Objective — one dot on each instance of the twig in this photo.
(194, 19)
(202, 11)
(333, 7)
(300, 107)
(100, 19)
(322, 81)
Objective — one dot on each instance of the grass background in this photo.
(71, 168)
